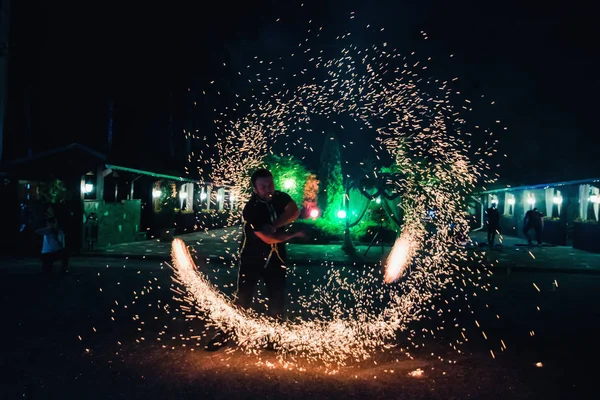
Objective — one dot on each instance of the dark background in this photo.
(71, 59)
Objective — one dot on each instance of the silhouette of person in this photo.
(493, 223)
(533, 220)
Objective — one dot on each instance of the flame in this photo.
(399, 258)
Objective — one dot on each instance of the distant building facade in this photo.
(571, 210)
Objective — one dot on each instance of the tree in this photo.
(330, 196)
(311, 191)
(289, 175)
(53, 191)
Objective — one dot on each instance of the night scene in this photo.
(333, 199)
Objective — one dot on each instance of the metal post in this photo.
(4, 24)
(100, 183)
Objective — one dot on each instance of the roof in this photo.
(58, 150)
(61, 162)
(543, 185)
(69, 161)
(148, 173)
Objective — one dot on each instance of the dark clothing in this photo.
(257, 214)
(493, 224)
(533, 220)
(48, 260)
(274, 277)
(538, 233)
(493, 216)
(259, 259)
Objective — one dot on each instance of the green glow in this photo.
(341, 214)
(289, 184)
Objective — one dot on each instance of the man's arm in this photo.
(290, 214)
(271, 238)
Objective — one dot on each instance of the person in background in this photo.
(533, 220)
(53, 247)
(493, 223)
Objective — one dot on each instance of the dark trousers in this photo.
(48, 260)
(274, 277)
(538, 233)
(491, 233)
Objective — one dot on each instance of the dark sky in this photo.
(537, 62)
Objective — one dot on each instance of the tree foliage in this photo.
(311, 191)
(52, 191)
(288, 169)
(331, 191)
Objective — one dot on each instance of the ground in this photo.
(59, 340)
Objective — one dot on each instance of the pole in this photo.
(4, 24)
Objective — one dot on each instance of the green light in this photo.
(378, 200)
(289, 184)
(341, 214)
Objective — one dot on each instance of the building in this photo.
(571, 211)
(99, 204)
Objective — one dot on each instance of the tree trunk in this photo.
(348, 246)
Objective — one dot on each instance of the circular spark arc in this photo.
(331, 341)
(427, 138)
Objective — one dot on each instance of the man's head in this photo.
(262, 184)
(494, 205)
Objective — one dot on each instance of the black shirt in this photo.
(493, 216)
(258, 213)
(533, 218)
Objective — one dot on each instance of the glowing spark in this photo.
(399, 258)
(330, 341)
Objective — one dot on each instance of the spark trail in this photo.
(416, 124)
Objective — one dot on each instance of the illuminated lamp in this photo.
(289, 184)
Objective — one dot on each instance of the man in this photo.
(533, 219)
(493, 223)
(263, 252)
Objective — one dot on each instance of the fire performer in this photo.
(262, 251)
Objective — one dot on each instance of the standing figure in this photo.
(53, 247)
(533, 219)
(262, 251)
(493, 223)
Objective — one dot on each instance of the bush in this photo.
(322, 231)
(319, 231)
(366, 232)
